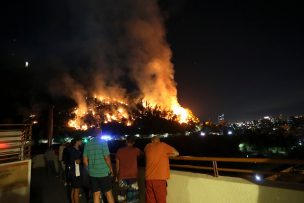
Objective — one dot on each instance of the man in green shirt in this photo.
(96, 157)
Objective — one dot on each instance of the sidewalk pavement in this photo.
(47, 188)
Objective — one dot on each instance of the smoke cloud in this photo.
(113, 49)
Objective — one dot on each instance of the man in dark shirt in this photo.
(74, 168)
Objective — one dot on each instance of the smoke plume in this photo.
(116, 50)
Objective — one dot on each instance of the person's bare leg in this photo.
(72, 195)
(76, 195)
(96, 197)
(110, 197)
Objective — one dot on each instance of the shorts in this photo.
(75, 182)
(128, 191)
(103, 184)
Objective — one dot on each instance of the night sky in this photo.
(240, 58)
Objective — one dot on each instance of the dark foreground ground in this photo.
(48, 188)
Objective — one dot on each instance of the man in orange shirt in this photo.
(157, 169)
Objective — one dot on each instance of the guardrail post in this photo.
(216, 173)
(30, 141)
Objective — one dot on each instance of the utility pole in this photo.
(50, 125)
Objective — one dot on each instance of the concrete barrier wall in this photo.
(186, 187)
(15, 178)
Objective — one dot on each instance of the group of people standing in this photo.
(97, 164)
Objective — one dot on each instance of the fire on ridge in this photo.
(103, 110)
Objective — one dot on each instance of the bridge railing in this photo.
(216, 169)
(15, 142)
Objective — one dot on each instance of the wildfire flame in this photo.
(182, 113)
(100, 110)
(141, 57)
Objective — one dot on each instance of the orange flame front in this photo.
(100, 110)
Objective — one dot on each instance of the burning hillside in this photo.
(120, 54)
(105, 110)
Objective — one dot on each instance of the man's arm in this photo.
(175, 153)
(117, 168)
(108, 161)
(85, 161)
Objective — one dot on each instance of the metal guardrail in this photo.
(15, 142)
(216, 169)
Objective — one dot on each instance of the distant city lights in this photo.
(258, 177)
(106, 137)
(166, 135)
(68, 139)
(43, 141)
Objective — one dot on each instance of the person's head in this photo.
(155, 138)
(77, 141)
(96, 131)
(130, 140)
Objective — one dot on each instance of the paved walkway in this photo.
(48, 188)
